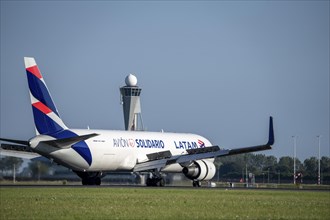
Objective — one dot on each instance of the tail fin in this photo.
(46, 117)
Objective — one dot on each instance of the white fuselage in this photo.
(120, 150)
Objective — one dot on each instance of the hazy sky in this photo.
(216, 68)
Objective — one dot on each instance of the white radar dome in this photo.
(131, 80)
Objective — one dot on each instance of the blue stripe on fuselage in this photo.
(81, 147)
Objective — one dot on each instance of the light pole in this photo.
(246, 176)
(268, 175)
(319, 165)
(14, 173)
(294, 158)
(263, 177)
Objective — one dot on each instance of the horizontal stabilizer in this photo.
(20, 154)
(67, 142)
(19, 151)
(16, 147)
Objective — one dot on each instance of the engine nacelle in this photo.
(200, 170)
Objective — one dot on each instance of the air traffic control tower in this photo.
(130, 99)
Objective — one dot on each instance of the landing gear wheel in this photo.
(155, 182)
(196, 183)
(161, 182)
(149, 182)
(97, 181)
(91, 181)
(90, 178)
(84, 182)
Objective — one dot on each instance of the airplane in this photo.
(91, 154)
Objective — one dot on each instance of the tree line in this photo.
(269, 168)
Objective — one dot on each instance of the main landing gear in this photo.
(90, 178)
(155, 179)
(196, 183)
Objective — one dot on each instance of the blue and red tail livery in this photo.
(46, 117)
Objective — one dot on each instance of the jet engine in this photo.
(200, 170)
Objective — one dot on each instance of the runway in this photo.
(161, 188)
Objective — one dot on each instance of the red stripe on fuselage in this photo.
(42, 107)
(35, 71)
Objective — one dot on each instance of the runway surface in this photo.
(166, 187)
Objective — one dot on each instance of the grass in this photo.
(161, 203)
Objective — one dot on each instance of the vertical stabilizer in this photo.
(46, 117)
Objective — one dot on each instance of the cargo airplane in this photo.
(91, 154)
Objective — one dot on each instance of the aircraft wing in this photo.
(165, 158)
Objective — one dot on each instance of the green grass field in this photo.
(161, 203)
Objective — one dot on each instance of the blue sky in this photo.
(216, 68)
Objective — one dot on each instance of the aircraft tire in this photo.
(161, 182)
(155, 182)
(97, 181)
(196, 183)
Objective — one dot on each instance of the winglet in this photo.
(271, 138)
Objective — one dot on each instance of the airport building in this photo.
(130, 99)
